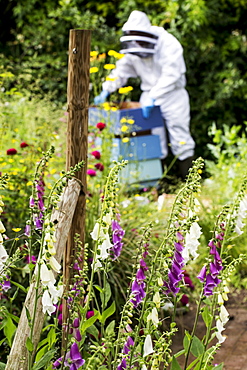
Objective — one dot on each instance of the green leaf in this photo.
(105, 295)
(175, 365)
(207, 316)
(98, 288)
(41, 353)
(29, 345)
(180, 353)
(19, 286)
(9, 330)
(44, 360)
(89, 322)
(93, 331)
(2, 366)
(108, 312)
(28, 316)
(51, 337)
(110, 328)
(197, 347)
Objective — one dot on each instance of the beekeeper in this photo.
(156, 56)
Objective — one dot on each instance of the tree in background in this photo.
(34, 43)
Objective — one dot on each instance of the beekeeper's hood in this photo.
(138, 37)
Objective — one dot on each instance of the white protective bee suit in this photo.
(163, 82)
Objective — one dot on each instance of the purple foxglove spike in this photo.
(210, 281)
(127, 345)
(207, 291)
(74, 352)
(188, 282)
(211, 243)
(38, 223)
(176, 269)
(213, 270)
(140, 275)
(123, 365)
(6, 285)
(31, 202)
(57, 363)
(76, 323)
(27, 230)
(77, 335)
(139, 293)
(179, 236)
(41, 205)
(217, 257)
(219, 236)
(179, 247)
(178, 258)
(202, 274)
(143, 264)
(213, 249)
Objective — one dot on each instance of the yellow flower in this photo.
(125, 90)
(123, 120)
(93, 69)
(11, 160)
(199, 171)
(112, 53)
(21, 161)
(111, 78)
(53, 170)
(114, 109)
(106, 106)
(13, 140)
(109, 66)
(16, 129)
(182, 142)
(93, 53)
(29, 183)
(130, 121)
(16, 229)
(125, 140)
(102, 56)
(115, 145)
(119, 55)
(124, 128)
(49, 186)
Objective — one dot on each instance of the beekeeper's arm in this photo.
(173, 67)
(117, 78)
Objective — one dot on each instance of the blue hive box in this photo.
(143, 154)
(130, 110)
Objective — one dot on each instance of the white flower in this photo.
(97, 264)
(3, 254)
(2, 228)
(156, 299)
(221, 338)
(47, 303)
(191, 242)
(54, 264)
(241, 214)
(148, 346)
(224, 315)
(153, 316)
(103, 248)
(107, 218)
(55, 292)
(46, 275)
(97, 232)
(144, 367)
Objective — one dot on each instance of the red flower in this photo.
(11, 151)
(23, 144)
(91, 172)
(96, 154)
(99, 166)
(101, 126)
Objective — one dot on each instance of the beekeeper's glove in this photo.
(101, 98)
(147, 108)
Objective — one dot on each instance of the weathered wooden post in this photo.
(77, 137)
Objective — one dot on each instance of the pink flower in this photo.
(91, 172)
(23, 144)
(96, 154)
(99, 166)
(11, 151)
(101, 126)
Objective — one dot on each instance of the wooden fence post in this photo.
(77, 139)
